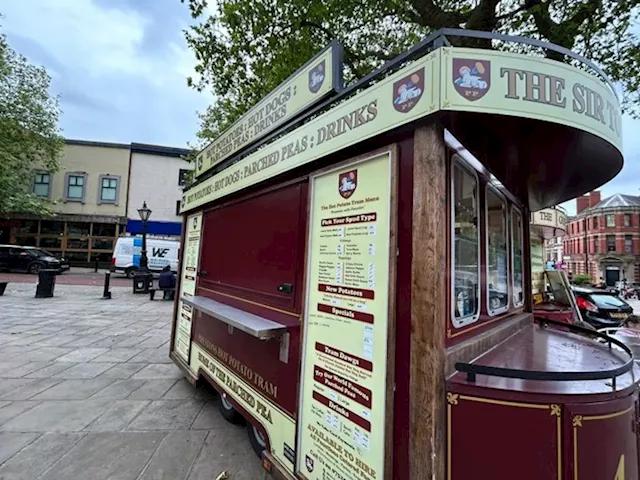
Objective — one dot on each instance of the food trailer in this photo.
(355, 275)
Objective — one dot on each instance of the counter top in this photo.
(247, 322)
(539, 349)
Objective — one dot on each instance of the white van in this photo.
(160, 253)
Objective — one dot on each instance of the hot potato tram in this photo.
(355, 276)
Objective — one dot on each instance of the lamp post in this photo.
(144, 213)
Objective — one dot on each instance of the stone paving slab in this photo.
(37, 457)
(87, 390)
(127, 454)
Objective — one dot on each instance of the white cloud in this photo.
(119, 66)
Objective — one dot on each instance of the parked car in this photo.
(601, 308)
(160, 253)
(14, 258)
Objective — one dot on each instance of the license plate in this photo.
(619, 315)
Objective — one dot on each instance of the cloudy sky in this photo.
(120, 68)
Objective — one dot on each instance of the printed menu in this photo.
(342, 409)
(190, 258)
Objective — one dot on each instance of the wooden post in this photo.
(427, 428)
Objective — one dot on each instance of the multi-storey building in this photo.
(97, 191)
(603, 238)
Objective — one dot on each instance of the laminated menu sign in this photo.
(190, 258)
(342, 410)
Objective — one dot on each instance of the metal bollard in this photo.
(95, 266)
(106, 295)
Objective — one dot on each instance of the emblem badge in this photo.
(471, 78)
(408, 90)
(308, 462)
(347, 183)
(316, 77)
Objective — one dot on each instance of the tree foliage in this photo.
(245, 48)
(29, 134)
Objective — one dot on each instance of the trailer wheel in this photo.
(228, 412)
(257, 440)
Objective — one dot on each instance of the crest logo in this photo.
(316, 77)
(408, 90)
(195, 223)
(308, 462)
(347, 183)
(472, 78)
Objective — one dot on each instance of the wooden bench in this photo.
(3, 286)
(167, 293)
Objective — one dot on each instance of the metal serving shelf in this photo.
(254, 325)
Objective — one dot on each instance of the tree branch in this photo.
(563, 33)
(348, 54)
(428, 14)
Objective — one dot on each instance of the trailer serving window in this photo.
(497, 275)
(465, 245)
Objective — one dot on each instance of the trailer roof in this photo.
(568, 131)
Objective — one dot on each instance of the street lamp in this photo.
(144, 213)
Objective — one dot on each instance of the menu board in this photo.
(190, 258)
(341, 432)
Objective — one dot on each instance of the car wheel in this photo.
(130, 272)
(257, 439)
(34, 268)
(228, 412)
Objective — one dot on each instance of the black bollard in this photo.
(95, 266)
(106, 295)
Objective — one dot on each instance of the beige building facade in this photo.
(91, 192)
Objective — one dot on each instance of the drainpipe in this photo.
(586, 246)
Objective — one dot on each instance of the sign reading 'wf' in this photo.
(160, 252)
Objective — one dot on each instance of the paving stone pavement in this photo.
(87, 391)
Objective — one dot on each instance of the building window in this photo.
(611, 243)
(595, 244)
(516, 257)
(178, 203)
(75, 187)
(465, 251)
(628, 243)
(627, 220)
(183, 176)
(611, 221)
(584, 225)
(42, 185)
(109, 189)
(497, 283)
(595, 222)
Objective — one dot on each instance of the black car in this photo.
(14, 258)
(601, 308)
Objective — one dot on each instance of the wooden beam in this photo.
(427, 428)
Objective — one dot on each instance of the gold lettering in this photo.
(512, 81)
(578, 98)
(620, 471)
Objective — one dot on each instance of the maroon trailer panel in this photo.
(257, 361)
(602, 440)
(255, 250)
(486, 435)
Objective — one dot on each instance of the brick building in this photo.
(603, 238)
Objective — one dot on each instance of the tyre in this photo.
(257, 439)
(130, 272)
(34, 268)
(228, 412)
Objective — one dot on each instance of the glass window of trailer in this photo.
(465, 246)
(516, 257)
(497, 256)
